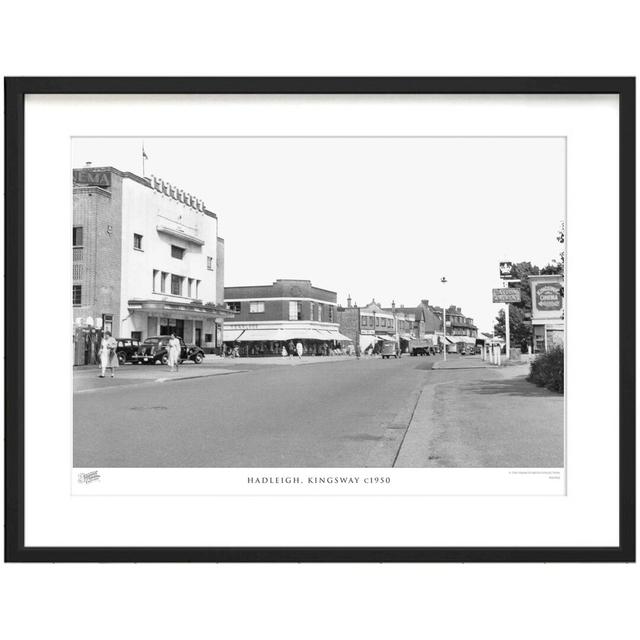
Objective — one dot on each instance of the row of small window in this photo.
(176, 252)
(175, 285)
(379, 322)
(295, 310)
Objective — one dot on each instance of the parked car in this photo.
(126, 349)
(389, 349)
(156, 349)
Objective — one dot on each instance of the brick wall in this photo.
(348, 322)
(98, 211)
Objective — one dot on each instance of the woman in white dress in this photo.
(108, 355)
(173, 352)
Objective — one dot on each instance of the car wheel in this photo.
(122, 358)
(197, 358)
(164, 359)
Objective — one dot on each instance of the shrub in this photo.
(547, 370)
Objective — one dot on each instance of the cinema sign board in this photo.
(506, 295)
(548, 296)
(92, 178)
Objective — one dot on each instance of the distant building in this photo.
(270, 316)
(370, 323)
(547, 312)
(147, 259)
(460, 329)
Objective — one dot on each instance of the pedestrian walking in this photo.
(108, 355)
(173, 353)
(284, 351)
(299, 349)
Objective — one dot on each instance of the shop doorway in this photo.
(198, 336)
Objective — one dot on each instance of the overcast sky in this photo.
(370, 217)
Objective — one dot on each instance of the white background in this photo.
(372, 38)
(54, 517)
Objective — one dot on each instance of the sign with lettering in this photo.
(506, 295)
(548, 296)
(94, 178)
(506, 270)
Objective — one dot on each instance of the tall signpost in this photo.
(507, 296)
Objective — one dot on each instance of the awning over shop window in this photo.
(333, 335)
(231, 335)
(384, 336)
(465, 339)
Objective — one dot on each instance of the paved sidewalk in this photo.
(485, 418)
(463, 362)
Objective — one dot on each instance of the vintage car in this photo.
(126, 349)
(389, 348)
(155, 349)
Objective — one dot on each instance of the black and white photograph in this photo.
(318, 303)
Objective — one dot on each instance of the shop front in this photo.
(256, 341)
(199, 324)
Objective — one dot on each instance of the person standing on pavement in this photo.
(108, 355)
(173, 352)
(299, 349)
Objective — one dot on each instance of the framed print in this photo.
(320, 319)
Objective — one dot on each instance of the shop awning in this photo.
(257, 335)
(406, 336)
(333, 335)
(465, 339)
(384, 336)
(231, 335)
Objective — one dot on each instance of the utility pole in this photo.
(444, 322)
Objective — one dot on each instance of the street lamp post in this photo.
(395, 325)
(358, 333)
(444, 323)
(375, 340)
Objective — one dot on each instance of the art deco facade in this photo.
(147, 259)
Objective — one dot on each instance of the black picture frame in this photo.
(15, 91)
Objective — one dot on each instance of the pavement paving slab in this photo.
(485, 418)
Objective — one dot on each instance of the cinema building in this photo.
(147, 259)
(268, 317)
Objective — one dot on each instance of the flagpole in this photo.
(144, 155)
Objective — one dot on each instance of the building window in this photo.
(198, 289)
(233, 306)
(210, 263)
(154, 281)
(319, 313)
(313, 311)
(177, 252)
(295, 310)
(137, 241)
(77, 295)
(190, 287)
(377, 321)
(176, 285)
(256, 307)
(77, 271)
(330, 313)
(77, 236)
(208, 337)
(163, 282)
